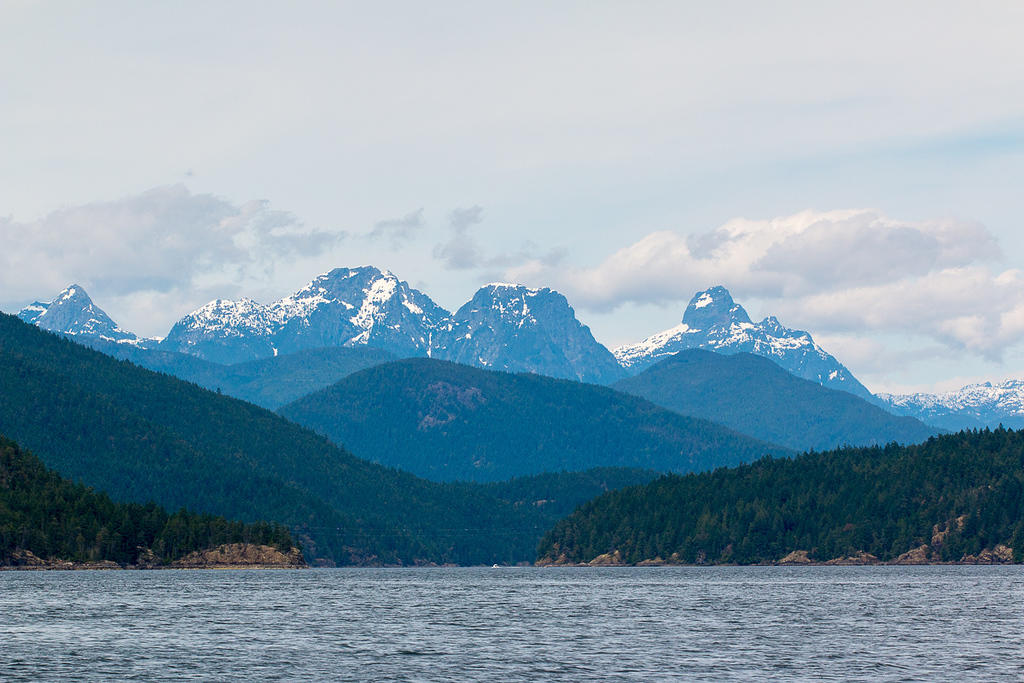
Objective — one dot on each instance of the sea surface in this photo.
(503, 624)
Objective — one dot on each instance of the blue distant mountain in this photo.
(714, 322)
(73, 314)
(519, 329)
(503, 327)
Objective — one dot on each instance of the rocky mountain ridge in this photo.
(504, 326)
(713, 321)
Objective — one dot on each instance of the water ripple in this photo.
(617, 624)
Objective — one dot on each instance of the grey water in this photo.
(565, 624)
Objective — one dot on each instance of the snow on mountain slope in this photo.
(518, 329)
(973, 406)
(358, 307)
(715, 322)
(224, 331)
(344, 307)
(74, 314)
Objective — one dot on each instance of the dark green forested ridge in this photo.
(755, 396)
(951, 497)
(53, 518)
(445, 421)
(139, 436)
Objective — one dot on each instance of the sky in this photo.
(856, 169)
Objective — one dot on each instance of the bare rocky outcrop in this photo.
(26, 559)
(859, 558)
(612, 559)
(922, 554)
(939, 533)
(796, 557)
(1001, 554)
(241, 556)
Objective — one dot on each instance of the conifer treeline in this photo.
(54, 518)
(883, 500)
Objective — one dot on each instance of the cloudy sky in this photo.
(856, 169)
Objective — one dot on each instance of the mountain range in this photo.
(975, 406)
(503, 327)
(376, 317)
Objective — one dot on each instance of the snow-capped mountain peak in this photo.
(714, 321)
(233, 316)
(362, 306)
(713, 307)
(73, 313)
(521, 329)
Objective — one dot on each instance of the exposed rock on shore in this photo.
(241, 556)
(796, 557)
(26, 559)
(607, 560)
(922, 554)
(859, 558)
(1001, 554)
(230, 556)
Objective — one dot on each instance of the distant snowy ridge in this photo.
(74, 314)
(505, 326)
(344, 307)
(713, 321)
(975, 405)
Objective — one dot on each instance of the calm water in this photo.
(749, 623)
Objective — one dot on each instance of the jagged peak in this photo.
(713, 307)
(72, 291)
(72, 312)
(514, 286)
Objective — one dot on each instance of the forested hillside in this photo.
(955, 497)
(51, 517)
(141, 436)
(448, 422)
(755, 396)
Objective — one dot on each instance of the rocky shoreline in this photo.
(921, 555)
(230, 556)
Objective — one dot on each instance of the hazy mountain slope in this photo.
(755, 396)
(448, 422)
(268, 382)
(715, 322)
(559, 493)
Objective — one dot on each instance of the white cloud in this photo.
(824, 271)
(164, 245)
